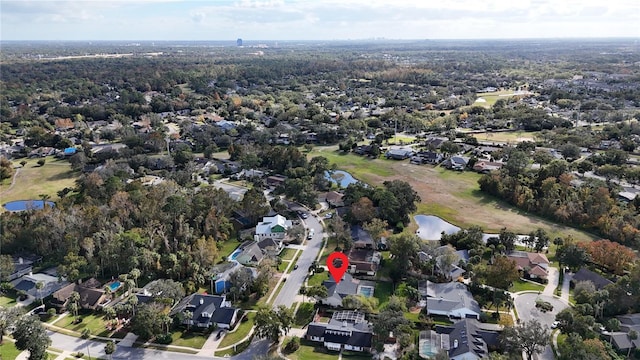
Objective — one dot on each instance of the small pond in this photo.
(22, 205)
(431, 227)
(342, 178)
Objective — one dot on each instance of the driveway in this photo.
(296, 278)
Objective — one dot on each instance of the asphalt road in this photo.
(96, 349)
(526, 307)
(296, 278)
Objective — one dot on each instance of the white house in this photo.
(274, 227)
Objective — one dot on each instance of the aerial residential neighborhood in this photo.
(399, 197)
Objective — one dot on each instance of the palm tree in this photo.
(39, 286)
(44, 198)
(72, 304)
(187, 315)
(110, 348)
(135, 274)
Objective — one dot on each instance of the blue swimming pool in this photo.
(115, 286)
(22, 205)
(235, 254)
(366, 291)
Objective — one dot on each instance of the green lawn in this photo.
(414, 317)
(360, 167)
(95, 323)
(304, 315)
(33, 180)
(8, 351)
(182, 337)
(318, 278)
(225, 248)
(524, 286)
(240, 333)
(311, 351)
(287, 254)
(383, 292)
(7, 301)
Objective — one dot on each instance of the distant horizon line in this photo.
(381, 39)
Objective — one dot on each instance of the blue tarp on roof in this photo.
(70, 151)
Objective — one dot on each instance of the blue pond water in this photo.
(431, 227)
(22, 205)
(342, 178)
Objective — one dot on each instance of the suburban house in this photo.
(27, 284)
(274, 227)
(221, 274)
(22, 265)
(399, 154)
(451, 299)
(335, 199)
(431, 157)
(270, 246)
(347, 330)
(620, 339)
(364, 261)
(207, 311)
(91, 294)
(465, 340)
(485, 167)
(533, 265)
(462, 256)
(456, 163)
(361, 238)
(347, 286)
(585, 274)
(275, 181)
(251, 254)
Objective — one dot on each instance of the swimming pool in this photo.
(115, 286)
(22, 205)
(235, 254)
(366, 291)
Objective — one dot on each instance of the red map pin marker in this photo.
(337, 263)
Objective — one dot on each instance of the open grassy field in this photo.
(453, 196)
(492, 97)
(33, 180)
(511, 137)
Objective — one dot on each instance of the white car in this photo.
(328, 215)
(555, 324)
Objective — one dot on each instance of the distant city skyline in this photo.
(316, 19)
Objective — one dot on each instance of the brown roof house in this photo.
(364, 261)
(335, 199)
(91, 295)
(533, 265)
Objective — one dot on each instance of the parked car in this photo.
(555, 324)
(295, 267)
(219, 334)
(311, 233)
(328, 215)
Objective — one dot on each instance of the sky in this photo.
(316, 19)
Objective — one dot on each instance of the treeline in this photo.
(108, 227)
(550, 193)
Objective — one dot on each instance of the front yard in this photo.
(311, 351)
(182, 337)
(7, 301)
(241, 332)
(96, 324)
(521, 285)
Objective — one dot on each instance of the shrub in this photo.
(78, 354)
(41, 162)
(86, 333)
(293, 344)
(164, 339)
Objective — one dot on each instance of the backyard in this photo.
(311, 351)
